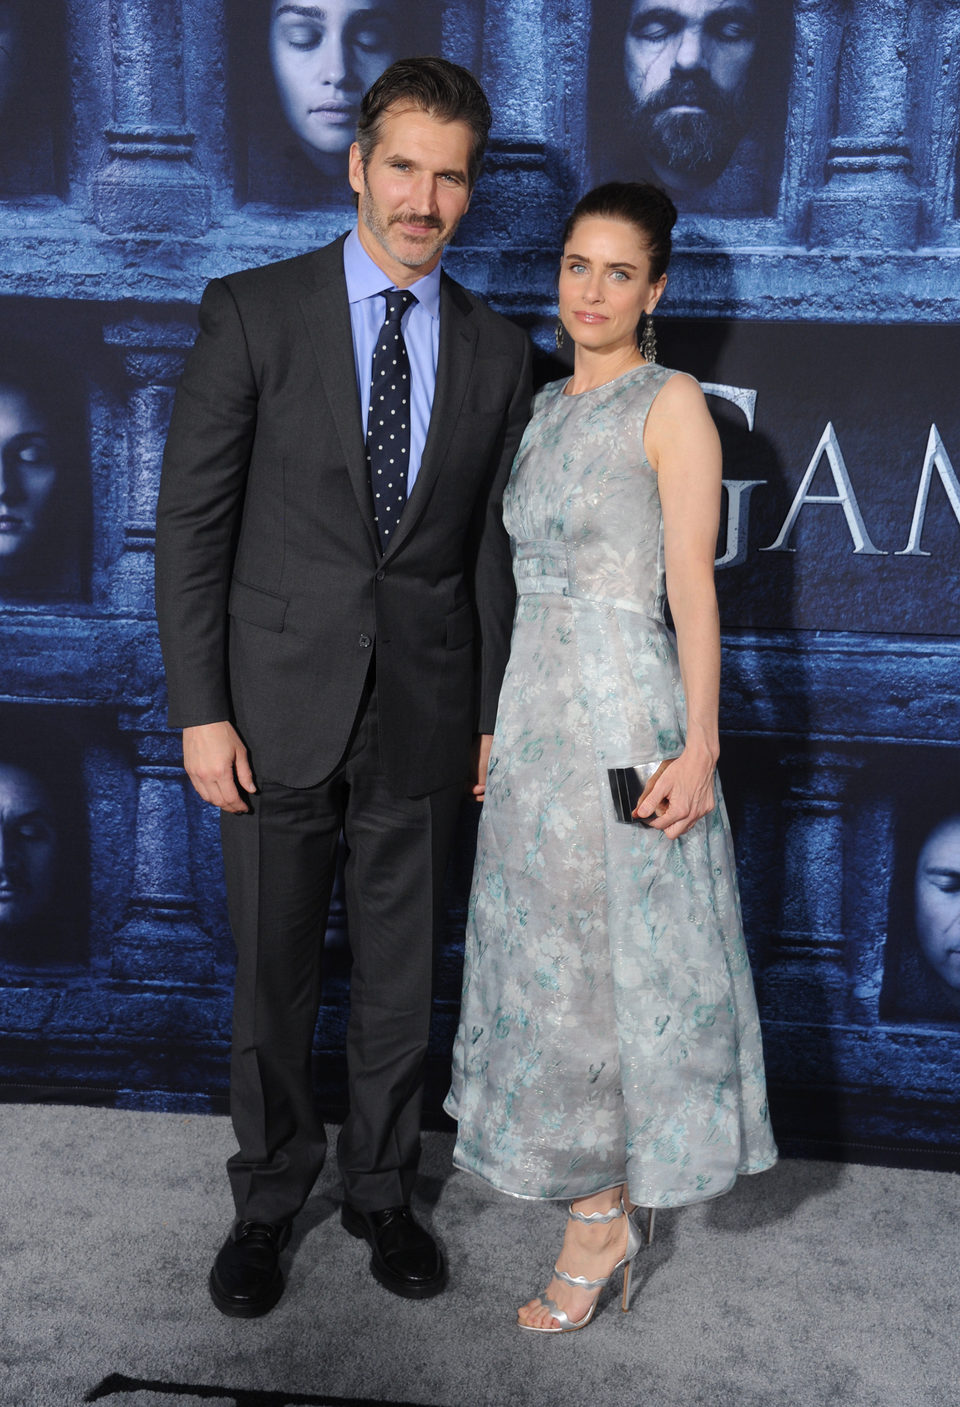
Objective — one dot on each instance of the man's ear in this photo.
(355, 169)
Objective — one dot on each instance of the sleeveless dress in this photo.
(609, 1031)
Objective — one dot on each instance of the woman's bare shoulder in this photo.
(678, 405)
(680, 392)
(680, 422)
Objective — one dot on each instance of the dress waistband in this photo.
(542, 567)
(549, 568)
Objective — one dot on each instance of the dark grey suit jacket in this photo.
(271, 591)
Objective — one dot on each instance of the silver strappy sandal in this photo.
(566, 1325)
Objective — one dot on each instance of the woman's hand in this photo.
(678, 793)
(480, 761)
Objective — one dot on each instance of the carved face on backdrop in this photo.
(687, 66)
(29, 849)
(28, 476)
(325, 54)
(937, 897)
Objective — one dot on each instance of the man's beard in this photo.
(694, 145)
(381, 228)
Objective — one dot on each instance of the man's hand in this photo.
(215, 761)
(478, 767)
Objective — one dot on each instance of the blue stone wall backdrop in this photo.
(814, 290)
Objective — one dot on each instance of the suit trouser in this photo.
(280, 862)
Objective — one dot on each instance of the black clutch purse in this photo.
(627, 784)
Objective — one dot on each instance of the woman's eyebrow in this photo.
(613, 264)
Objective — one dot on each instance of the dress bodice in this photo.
(583, 506)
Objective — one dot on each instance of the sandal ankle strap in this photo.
(596, 1218)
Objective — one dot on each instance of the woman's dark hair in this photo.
(649, 209)
(444, 90)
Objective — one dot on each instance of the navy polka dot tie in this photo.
(388, 422)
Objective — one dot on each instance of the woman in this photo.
(609, 1046)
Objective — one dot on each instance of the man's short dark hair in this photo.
(442, 89)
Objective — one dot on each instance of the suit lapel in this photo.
(327, 316)
(455, 359)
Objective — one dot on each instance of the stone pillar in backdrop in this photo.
(160, 940)
(517, 199)
(870, 199)
(809, 948)
(150, 183)
(149, 361)
(867, 874)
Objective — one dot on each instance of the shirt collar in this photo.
(365, 279)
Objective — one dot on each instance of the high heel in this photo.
(565, 1324)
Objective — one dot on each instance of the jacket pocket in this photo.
(458, 628)
(257, 607)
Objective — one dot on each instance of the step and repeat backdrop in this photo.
(812, 148)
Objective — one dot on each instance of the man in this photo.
(360, 558)
(688, 66)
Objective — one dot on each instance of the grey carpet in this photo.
(815, 1283)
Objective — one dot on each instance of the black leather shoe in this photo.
(405, 1259)
(246, 1280)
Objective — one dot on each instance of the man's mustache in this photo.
(410, 217)
(688, 90)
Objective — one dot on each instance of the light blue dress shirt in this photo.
(366, 284)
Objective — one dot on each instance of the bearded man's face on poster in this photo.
(687, 65)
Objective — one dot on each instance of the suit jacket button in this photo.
(380, 576)
(365, 642)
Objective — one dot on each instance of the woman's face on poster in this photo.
(325, 55)
(937, 894)
(28, 847)
(28, 475)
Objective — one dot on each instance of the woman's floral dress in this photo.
(609, 1030)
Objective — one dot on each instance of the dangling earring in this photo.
(558, 334)
(648, 340)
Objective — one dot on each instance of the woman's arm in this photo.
(683, 446)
